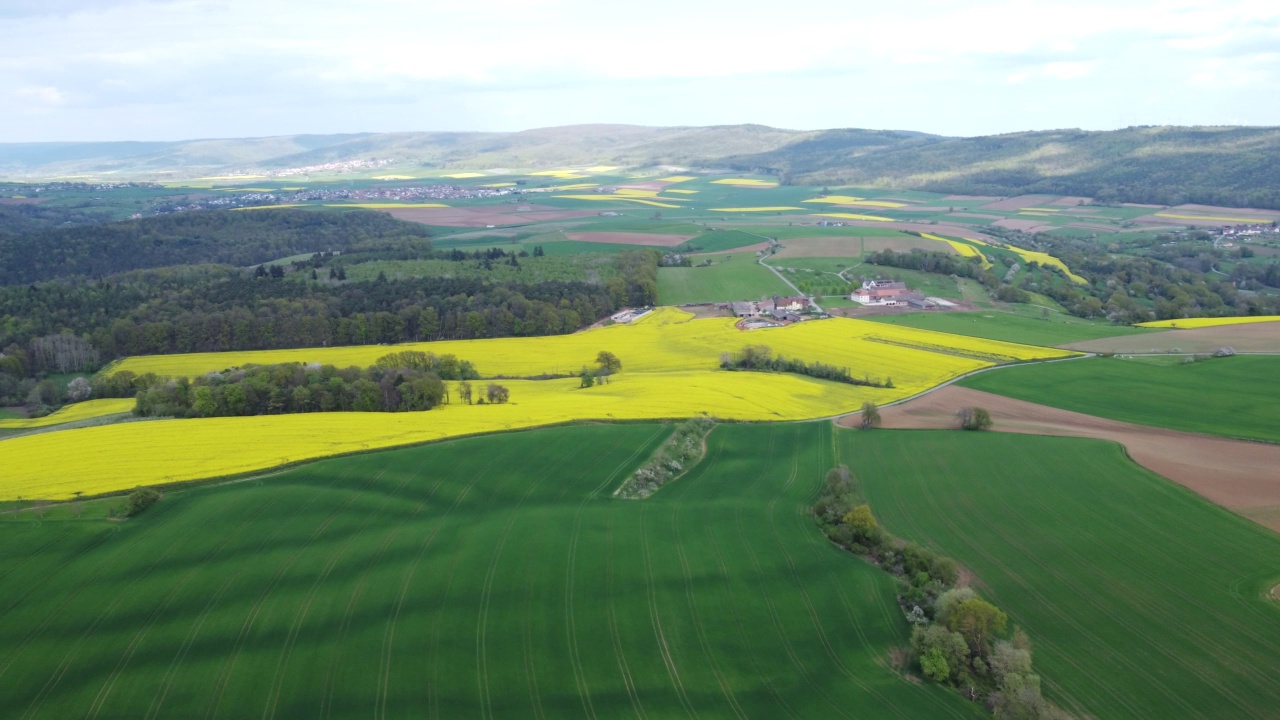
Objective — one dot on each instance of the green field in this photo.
(1057, 329)
(1235, 396)
(492, 577)
(1141, 599)
(735, 276)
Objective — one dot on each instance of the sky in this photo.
(79, 70)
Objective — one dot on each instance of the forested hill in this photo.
(192, 238)
(1164, 165)
(1167, 165)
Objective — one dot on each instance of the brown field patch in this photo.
(1262, 215)
(1023, 225)
(1249, 337)
(855, 246)
(762, 245)
(485, 216)
(651, 185)
(984, 198)
(922, 208)
(630, 238)
(1236, 474)
(976, 215)
(1072, 201)
(1019, 202)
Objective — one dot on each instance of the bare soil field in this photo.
(1252, 337)
(868, 311)
(853, 246)
(1262, 215)
(976, 215)
(1072, 201)
(482, 217)
(1238, 475)
(1019, 202)
(763, 245)
(630, 238)
(1024, 225)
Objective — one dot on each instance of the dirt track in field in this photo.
(485, 216)
(629, 238)
(1242, 476)
(1252, 337)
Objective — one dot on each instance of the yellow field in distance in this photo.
(754, 209)
(86, 410)
(499, 185)
(386, 206)
(745, 182)
(1046, 259)
(1191, 323)
(835, 199)
(624, 198)
(855, 216)
(682, 192)
(962, 248)
(561, 174)
(677, 178)
(464, 175)
(1176, 216)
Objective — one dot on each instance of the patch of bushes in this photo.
(957, 638)
(680, 452)
(139, 500)
(760, 358)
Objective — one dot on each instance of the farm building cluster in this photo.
(891, 293)
(784, 309)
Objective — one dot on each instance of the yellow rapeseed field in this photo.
(964, 249)
(855, 216)
(677, 178)
(1042, 210)
(670, 370)
(1212, 218)
(499, 185)
(71, 413)
(1191, 323)
(386, 206)
(560, 174)
(744, 181)
(623, 198)
(779, 208)
(464, 175)
(682, 192)
(835, 199)
(1046, 259)
(600, 168)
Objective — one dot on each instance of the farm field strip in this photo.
(1235, 474)
(1193, 323)
(482, 587)
(1085, 550)
(1223, 396)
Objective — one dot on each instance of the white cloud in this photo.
(325, 65)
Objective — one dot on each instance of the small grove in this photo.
(760, 358)
(400, 382)
(957, 638)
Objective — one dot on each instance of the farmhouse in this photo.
(794, 304)
(881, 292)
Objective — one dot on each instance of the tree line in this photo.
(400, 382)
(760, 358)
(190, 238)
(957, 638)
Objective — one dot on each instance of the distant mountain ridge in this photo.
(1168, 165)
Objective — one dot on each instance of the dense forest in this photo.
(192, 238)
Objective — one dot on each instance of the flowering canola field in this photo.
(669, 370)
(79, 411)
(1189, 323)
